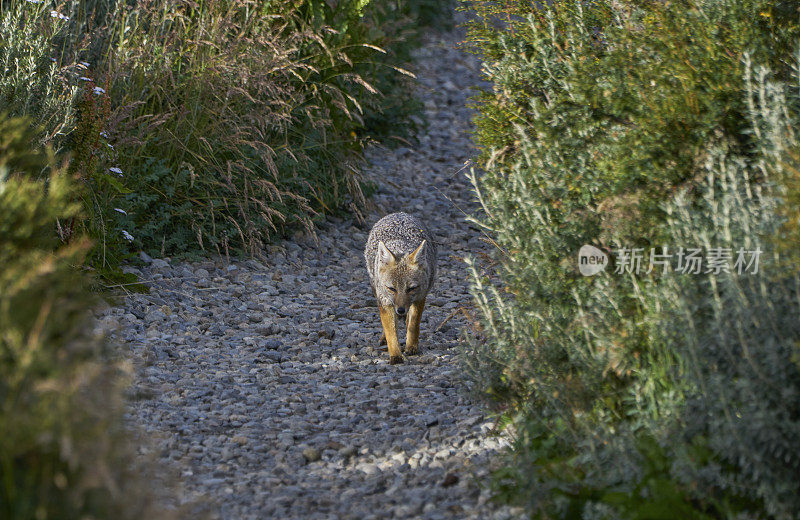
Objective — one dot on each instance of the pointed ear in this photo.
(385, 257)
(414, 255)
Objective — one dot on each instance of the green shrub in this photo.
(257, 112)
(639, 124)
(32, 81)
(63, 451)
(244, 106)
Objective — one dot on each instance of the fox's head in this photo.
(403, 279)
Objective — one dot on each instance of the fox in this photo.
(401, 260)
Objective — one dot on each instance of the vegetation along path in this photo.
(262, 386)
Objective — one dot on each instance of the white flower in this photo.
(110, 146)
(84, 64)
(121, 211)
(127, 236)
(98, 90)
(103, 134)
(84, 78)
(35, 1)
(116, 170)
(56, 14)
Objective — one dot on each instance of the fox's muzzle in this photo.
(401, 311)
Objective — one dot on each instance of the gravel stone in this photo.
(311, 454)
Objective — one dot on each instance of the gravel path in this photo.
(262, 386)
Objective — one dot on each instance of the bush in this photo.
(624, 125)
(738, 337)
(63, 451)
(233, 122)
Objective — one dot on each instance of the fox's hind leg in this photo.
(389, 323)
(412, 327)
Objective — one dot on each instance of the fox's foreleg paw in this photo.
(412, 350)
(395, 360)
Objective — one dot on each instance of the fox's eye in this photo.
(391, 289)
(412, 288)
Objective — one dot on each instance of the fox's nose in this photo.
(401, 311)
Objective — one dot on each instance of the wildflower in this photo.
(98, 90)
(116, 170)
(84, 64)
(127, 236)
(121, 211)
(56, 14)
(35, 1)
(103, 133)
(84, 78)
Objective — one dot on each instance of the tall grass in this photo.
(214, 126)
(240, 110)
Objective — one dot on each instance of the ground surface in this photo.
(261, 386)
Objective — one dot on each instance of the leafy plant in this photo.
(623, 125)
(63, 447)
(258, 112)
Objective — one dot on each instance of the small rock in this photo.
(333, 445)
(311, 454)
(347, 451)
(272, 356)
(369, 468)
(272, 343)
(450, 479)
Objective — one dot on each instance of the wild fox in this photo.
(401, 261)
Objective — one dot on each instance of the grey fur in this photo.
(401, 233)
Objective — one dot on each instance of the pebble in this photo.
(311, 454)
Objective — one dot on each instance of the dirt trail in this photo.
(261, 386)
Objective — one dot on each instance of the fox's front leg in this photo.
(389, 323)
(412, 327)
(381, 341)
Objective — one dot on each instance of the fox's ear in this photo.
(385, 257)
(414, 255)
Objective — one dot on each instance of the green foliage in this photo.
(640, 124)
(740, 339)
(259, 115)
(233, 121)
(32, 82)
(62, 444)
